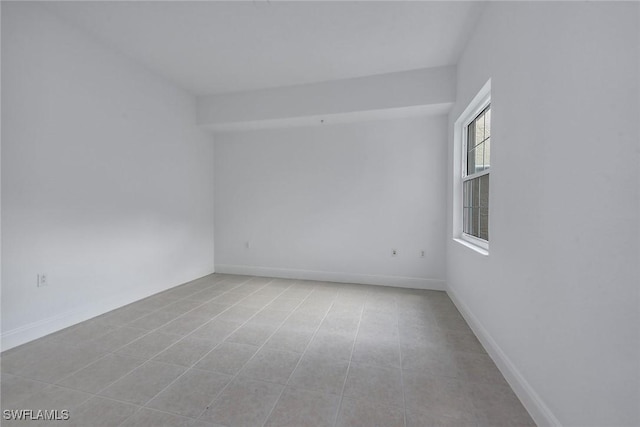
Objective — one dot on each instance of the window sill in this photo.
(481, 251)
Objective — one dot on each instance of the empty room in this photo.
(320, 214)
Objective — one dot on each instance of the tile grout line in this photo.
(404, 397)
(51, 337)
(346, 377)
(97, 394)
(205, 355)
(143, 406)
(140, 407)
(315, 332)
(91, 395)
(113, 352)
(148, 331)
(237, 374)
(237, 285)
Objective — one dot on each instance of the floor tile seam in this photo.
(237, 374)
(144, 407)
(169, 291)
(90, 395)
(230, 290)
(207, 353)
(344, 384)
(64, 377)
(429, 374)
(227, 309)
(113, 399)
(43, 383)
(150, 310)
(26, 378)
(186, 369)
(216, 346)
(425, 413)
(185, 297)
(104, 356)
(201, 326)
(145, 362)
(98, 393)
(309, 390)
(137, 407)
(140, 408)
(54, 339)
(315, 332)
(113, 351)
(180, 335)
(404, 395)
(466, 395)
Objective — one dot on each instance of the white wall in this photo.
(330, 202)
(426, 87)
(557, 297)
(107, 183)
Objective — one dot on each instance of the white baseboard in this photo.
(327, 276)
(38, 329)
(538, 410)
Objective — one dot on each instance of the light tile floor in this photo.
(232, 351)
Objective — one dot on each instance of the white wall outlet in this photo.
(42, 280)
(247, 244)
(394, 252)
(422, 253)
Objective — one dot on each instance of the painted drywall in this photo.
(331, 202)
(557, 296)
(107, 182)
(426, 87)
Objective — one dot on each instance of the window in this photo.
(472, 154)
(475, 181)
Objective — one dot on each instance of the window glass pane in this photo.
(479, 129)
(475, 192)
(468, 206)
(476, 207)
(474, 221)
(467, 194)
(479, 158)
(483, 227)
(487, 123)
(471, 162)
(478, 143)
(483, 193)
(465, 220)
(487, 154)
(483, 207)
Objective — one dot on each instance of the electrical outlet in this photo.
(422, 254)
(247, 244)
(394, 252)
(42, 280)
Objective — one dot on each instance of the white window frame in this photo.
(460, 134)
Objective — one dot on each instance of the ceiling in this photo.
(217, 47)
